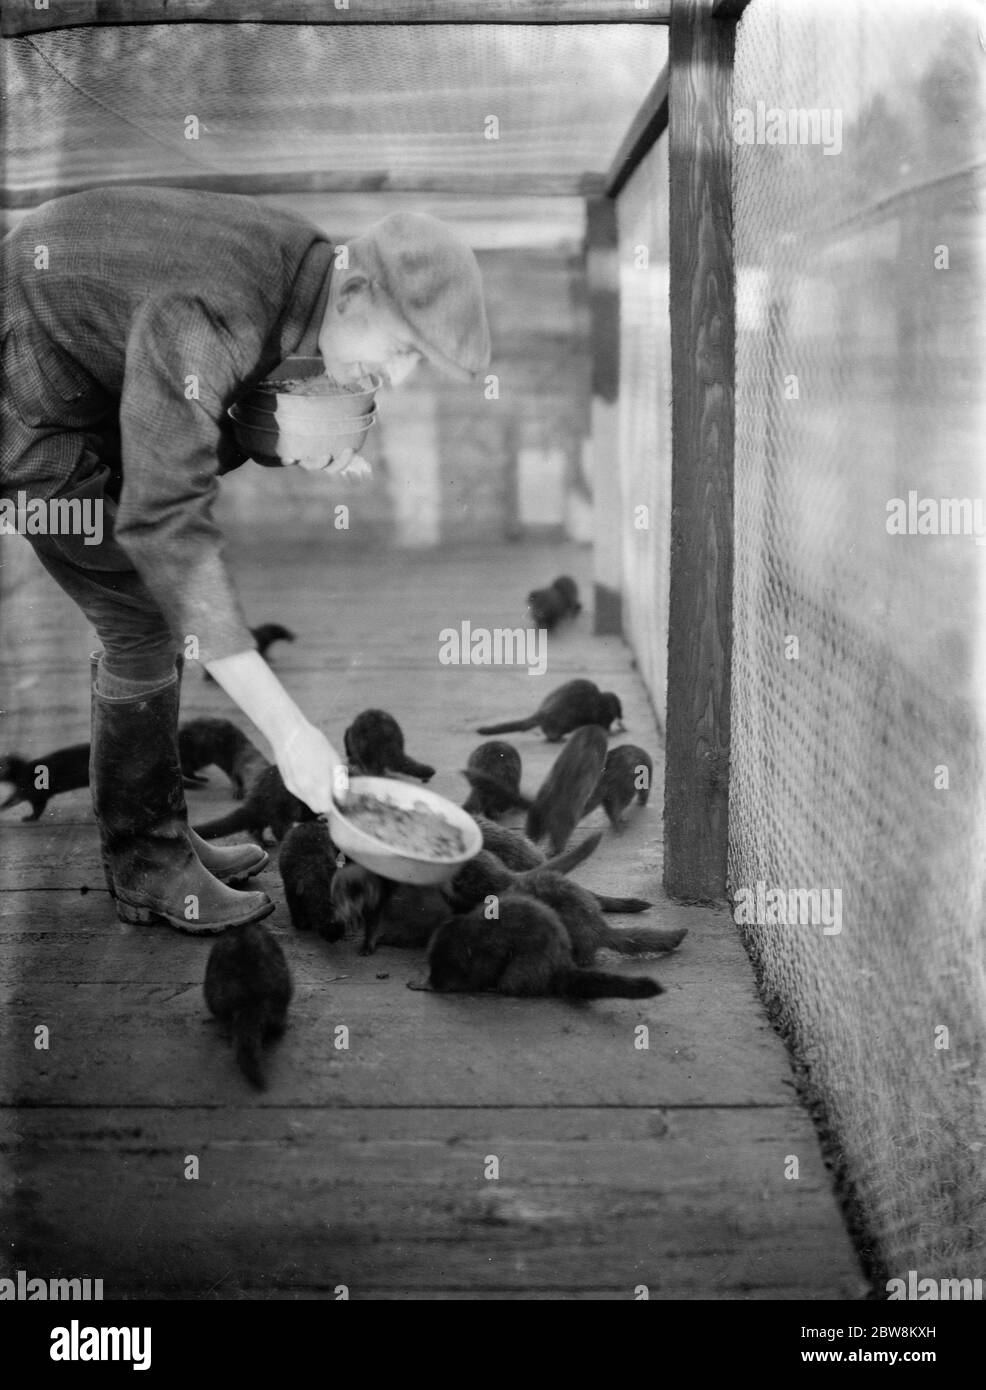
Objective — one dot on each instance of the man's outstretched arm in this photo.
(307, 761)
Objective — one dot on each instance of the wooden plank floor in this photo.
(365, 1166)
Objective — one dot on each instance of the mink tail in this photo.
(248, 1031)
(494, 788)
(410, 768)
(596, 984)
(640, 941)
(563, 862)
(238, 819)
(621, 904)
(512, 727)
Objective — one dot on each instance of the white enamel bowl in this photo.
(394, 864)
(289, 445)
(329, 407)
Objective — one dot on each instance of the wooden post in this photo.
(696, 795)
(603, 273)
(646, 128)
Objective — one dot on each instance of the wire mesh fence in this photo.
(443, 101)
(859, 653)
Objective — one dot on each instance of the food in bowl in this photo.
(312, 401)
(415, 829)
(319, 386)
(267, 420)
(316, 391)
(382, 858)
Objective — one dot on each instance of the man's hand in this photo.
(311, 768)
(348, 464)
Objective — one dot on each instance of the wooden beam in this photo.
(321, 181)
(603, 276)
(23, 16)
(702, 364)
(646, 128)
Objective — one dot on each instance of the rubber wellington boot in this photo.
(228, 863)
(140, 806)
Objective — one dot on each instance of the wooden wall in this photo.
(645, 418)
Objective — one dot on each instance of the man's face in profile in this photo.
(361, 333)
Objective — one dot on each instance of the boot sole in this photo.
(147, 916)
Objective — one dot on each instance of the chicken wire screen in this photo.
(859, 667)
(436, 102)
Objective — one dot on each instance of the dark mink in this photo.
(264, 637)
(207, 741)
(493, 773)
(358, 901)
(385, 912)
(567, 587)
(248, 988)
(512, 846)
(267, 634)
(562, 799)
(308, 861)
(525, 951)
(486, 877)
(626, 774)
(467, 887)
(571, 705)
(550, 606)
(375, 745)
(67, 769)
(267, 803)
(517, 852)
(411, 916)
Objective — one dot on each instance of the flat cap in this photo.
(433, 278)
